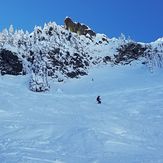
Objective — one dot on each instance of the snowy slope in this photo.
(66, 125)
(59, 53)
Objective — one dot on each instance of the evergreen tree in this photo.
(39, 74)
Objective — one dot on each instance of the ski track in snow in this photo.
(70, 127)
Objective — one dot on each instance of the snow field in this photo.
(66, 125)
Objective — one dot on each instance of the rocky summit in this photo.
(60, 52)
(78, 28)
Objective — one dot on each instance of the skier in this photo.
(98, 99)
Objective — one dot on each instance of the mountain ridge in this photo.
(69, 51)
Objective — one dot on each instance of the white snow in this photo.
(66, 125)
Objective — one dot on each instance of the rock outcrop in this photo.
(10, 63)
(129, 52)
(78, 28)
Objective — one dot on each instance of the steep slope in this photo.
(66, 125)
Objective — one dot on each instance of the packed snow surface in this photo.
(66, 125)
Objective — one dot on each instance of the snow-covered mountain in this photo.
(61, 52)
(65, 124)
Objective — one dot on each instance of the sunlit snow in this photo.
(66, 125)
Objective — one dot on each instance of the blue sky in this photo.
(142, 20)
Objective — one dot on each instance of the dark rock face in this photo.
(107, 59)
(63, 63)
(74, 74)
(10, 63)
(79, 28)
(129, 52)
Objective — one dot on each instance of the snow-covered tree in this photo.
(39, 74)
(11, 35)
(4, 36)
(2, 40)
(154, 56)
(11, 29)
